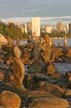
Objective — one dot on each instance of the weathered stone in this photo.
(57, 52)
(47, 50)
(68, 92)
(26, 57)
(65, 41)
(17, 52)
(51, 69)
(47, 53)
(69, 52)
(10, 99)
(56, 75)
(68, 76)
(50, 103)
(37, 67)
(18, 72)
(55, 89)
(1, 76)
(41, 93)
(47, 39)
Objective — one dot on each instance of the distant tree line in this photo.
(12, 30)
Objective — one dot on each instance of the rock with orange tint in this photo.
(47, 39)
(51, 69)
(68, 92)
(56, 75)
(69, 52)
(50, 103)
(26, 57)
(57, 52)
(10, 99)
(18, 72)
(55, 89)
(1, 76)
(17, 52)
(68, 76)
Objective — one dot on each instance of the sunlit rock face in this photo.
(65, 41)
(1, 76)
(69, 52)
(51, 69)
(51, 103)
(68, 92)
(10, 100)
(18, 72)
(57, 52)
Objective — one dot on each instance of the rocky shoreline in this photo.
(42, 84)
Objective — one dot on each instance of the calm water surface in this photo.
(54, 40)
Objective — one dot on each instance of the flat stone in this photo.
(51, 103)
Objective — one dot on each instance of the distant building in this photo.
(42, 30)
(10, 20)
(65, 29)
(35, 27)
(69, 27)
(21, 26)
(60, 27)
(48, 29)
(29, 28)
(25, 28)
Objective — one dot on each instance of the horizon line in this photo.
(36, 16)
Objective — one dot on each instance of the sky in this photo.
(30, 8)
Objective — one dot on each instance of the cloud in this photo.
(34, 8)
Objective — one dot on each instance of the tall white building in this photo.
(35, 26)
(25, 28)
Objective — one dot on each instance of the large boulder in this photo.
(10, 99)
(50, 103)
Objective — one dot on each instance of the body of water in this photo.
(61, 41)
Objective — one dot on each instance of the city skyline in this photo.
(30, 8)
(43, 20)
